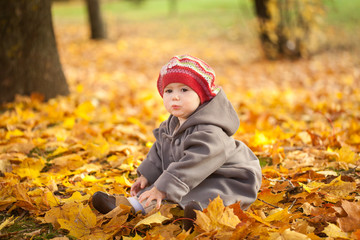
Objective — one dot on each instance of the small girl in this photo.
(194, 159)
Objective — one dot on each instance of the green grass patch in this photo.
(342, 13)
(338, 11)
(155, 9)
(265, 161)
(200, 14)
(26, 227)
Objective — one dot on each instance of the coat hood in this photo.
(218, 111)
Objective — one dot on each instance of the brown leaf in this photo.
(352, 221)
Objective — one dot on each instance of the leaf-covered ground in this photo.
(301, 118)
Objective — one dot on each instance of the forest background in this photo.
(301, 118)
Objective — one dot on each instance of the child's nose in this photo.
(176, 96)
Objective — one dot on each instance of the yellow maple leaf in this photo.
(269, 197)
(217, 217)
(75, 197)
(283, 214)
(14, 133)
(312, 186)
(71, 161)
(79, 222)
(84, 110)
(50, 199)
(204, 222)
(347, 155)
(58, 151)
(30, 167)
(137, 237)
(259, 219)
(154, 218)
(98, 147)
(69, 122)
(338, 189)
(260, 139)
(137, 122)
(43, 197)
(334, 231)
(123, 180)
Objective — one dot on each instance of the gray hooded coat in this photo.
(200, 160)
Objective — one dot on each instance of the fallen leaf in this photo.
(217, 217)
(79, 221)
(154, 218)
(337, 189)
(352, 221)
(75, 197)
(289, 235)
(334, 231)
(30, 167)
(347, 155)
(280, 215)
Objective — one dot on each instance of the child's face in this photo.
(180, 100)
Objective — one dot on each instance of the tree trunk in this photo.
(96, 22)
(275, 28)
(173, 9)
(29, 60)
(263, 17)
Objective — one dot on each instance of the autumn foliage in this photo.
(300, 118)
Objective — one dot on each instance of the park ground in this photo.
(301, 118)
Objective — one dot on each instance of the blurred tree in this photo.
(137, 2)
(29, 58)
(173, 7)
(97, 25)
(287, 28)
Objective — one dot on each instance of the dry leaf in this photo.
(334, 231)
(154, 218)
(79, 221)
(217, 217)
(352, 221)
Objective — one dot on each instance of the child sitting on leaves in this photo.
(194, 158)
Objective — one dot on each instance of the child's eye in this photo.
(184, 89)
(168, 91)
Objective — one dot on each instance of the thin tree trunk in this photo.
(29, 60)
(280, 41)
(173, 7)
(96, 22)
(263, 16)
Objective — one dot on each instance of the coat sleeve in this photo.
(151, 167)
(204, 153)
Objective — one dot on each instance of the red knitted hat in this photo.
(192, 72)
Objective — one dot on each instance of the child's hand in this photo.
(139, 184)
(152, 194)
